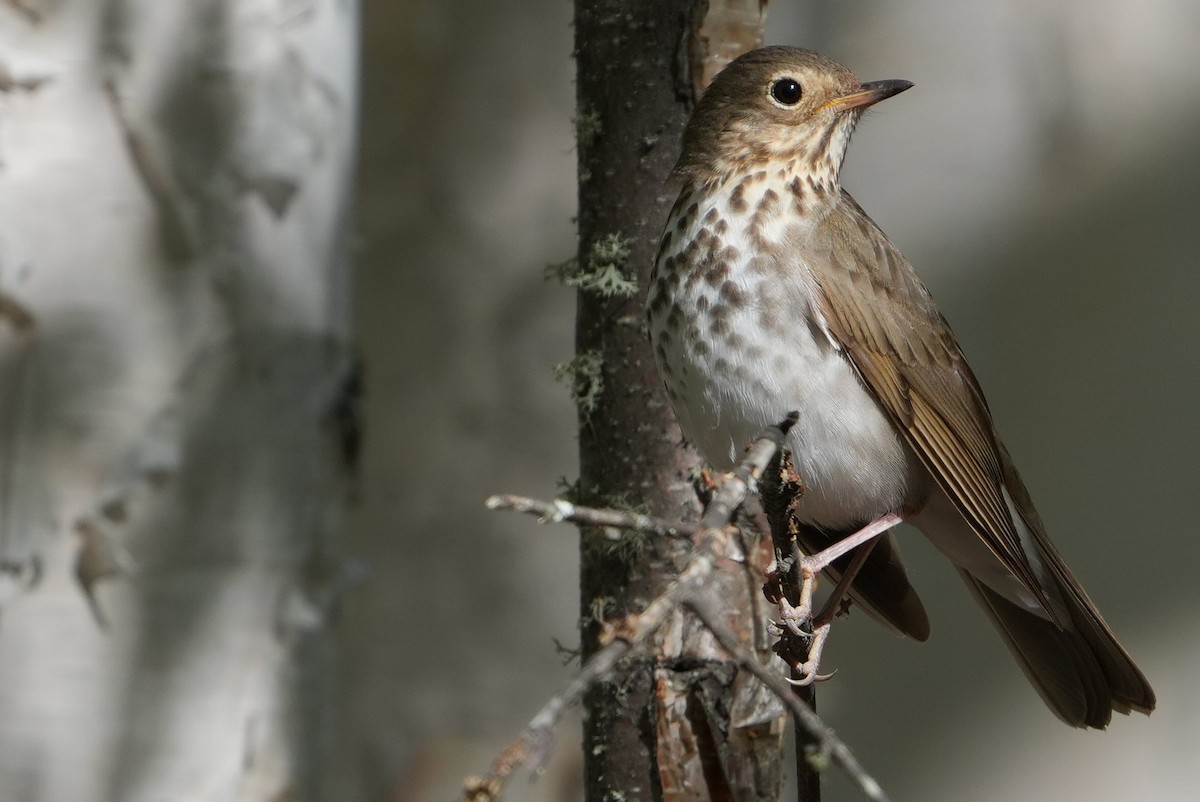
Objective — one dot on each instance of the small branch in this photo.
(781, 489)
(560, 511)
(729, 495)
(532, 745)
(745, 477)
(690, 589)
(829, 744)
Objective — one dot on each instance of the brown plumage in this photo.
(815, 310)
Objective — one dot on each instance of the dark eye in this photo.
(787, 91)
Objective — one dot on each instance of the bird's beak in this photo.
(869, 94)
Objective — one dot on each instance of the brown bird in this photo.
(772, 292)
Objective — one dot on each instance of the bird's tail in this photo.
(1081, 672)
(1072, 656)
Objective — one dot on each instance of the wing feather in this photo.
(914, 366)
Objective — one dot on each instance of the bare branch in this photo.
(690, 589)
(745, 476)
(559, 511)
(532, 745)
(828, 743)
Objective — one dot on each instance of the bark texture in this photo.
(176, 394)
(678, 723)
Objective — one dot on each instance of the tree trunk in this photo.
(176, 394)
(673, 725)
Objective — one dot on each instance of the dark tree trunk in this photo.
(671, 724)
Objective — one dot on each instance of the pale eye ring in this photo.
(786, 91)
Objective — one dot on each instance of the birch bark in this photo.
(175, 393)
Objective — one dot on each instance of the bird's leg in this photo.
(825, 617)
(806, 672)
(792, 616)
(862, 542)
(795, 617)
(820, 561)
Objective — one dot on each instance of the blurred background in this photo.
(1043, 176)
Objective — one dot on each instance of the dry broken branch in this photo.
(712, 539)
(828, 744)
(563, 511)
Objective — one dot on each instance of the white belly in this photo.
(751, 346)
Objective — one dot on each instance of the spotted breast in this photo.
(740, 342)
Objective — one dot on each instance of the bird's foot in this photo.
(805, 673)
(796, 618)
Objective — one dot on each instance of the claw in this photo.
(808, 669)
(794, 617)
(808, 677)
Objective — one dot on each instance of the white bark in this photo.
(175, 181)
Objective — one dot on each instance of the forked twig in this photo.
(563, 511)
(828, 744)
(689, 589)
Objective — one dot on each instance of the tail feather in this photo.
(1081, 671)
(1105, 677)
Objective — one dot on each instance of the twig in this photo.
(688, 589)
(745, 477)
(781, 488)
(531, 745)
(559, 511)
(829, 744)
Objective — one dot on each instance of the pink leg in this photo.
(819, 561)
(810, 566)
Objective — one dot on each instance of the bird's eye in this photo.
(787, 91)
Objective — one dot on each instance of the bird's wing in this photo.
(885, 321)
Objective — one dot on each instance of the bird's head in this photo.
(777, 106)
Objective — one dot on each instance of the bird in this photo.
(773, 292)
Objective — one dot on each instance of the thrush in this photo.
(773, 292)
